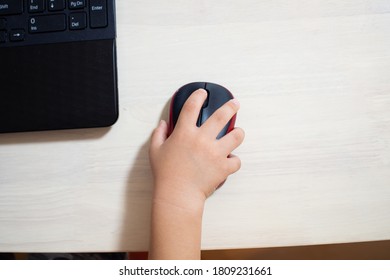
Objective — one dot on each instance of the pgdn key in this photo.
(50, 23)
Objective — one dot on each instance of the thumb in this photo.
(160, 134)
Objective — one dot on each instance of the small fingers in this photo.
(233, 164)
(159, 135)
(189, 114)
(221, 117)
(232, 140)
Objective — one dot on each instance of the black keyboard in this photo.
(31, 22)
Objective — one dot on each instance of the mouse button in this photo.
(218, 95)
(183, 93)
(188, 89)
(215, 88)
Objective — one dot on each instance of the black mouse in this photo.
(217, 95)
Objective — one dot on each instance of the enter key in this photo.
(98, 13)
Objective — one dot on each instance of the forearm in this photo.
(176, 228)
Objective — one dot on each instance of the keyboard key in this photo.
(76, 4)
(3, 36)
(98, 13)
(36, 6)
(11, 7)
(16, 35)
(56, 5)
(77, 21)
(50, 23)
(3, 23)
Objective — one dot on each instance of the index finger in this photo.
(189, 114)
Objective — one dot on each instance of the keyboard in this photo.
(32, 22)
(58, 64)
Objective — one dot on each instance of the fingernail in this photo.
(201, 91)
(160, 123)
(236, 102)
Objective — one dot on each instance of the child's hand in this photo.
(190, 164)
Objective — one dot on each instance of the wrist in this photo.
(179, 195)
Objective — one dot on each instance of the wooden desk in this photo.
(313, 78)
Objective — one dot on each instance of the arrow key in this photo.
(16, 35)
(56, 5)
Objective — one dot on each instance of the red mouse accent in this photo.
(170, 124)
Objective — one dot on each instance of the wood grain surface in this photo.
(313, 79)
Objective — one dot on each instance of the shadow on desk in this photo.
(137, 201)
(53, 136)
(139, 182)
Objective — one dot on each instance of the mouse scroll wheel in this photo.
(206, 102)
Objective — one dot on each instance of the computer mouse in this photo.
(217, 95)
